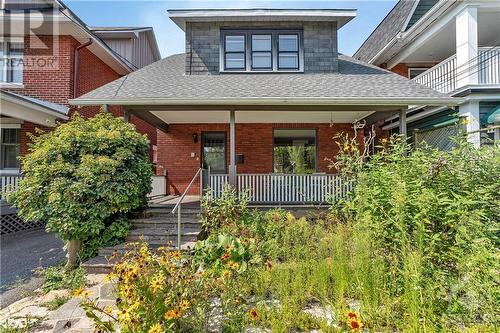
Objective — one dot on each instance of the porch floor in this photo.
(172, 200)
(194, 201)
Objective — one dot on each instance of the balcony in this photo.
(445, 77)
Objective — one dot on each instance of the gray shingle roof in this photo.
(165, 79)
(390, 26)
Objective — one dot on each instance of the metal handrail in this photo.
(178, 208)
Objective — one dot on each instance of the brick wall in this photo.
(203, 40)
(56, 85)
(401, 69)
(254, 141)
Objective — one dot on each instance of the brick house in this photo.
(449, 46)
(58, 59)
(256, 100)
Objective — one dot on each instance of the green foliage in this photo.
(80, 175)
(432, 218)
(113, 234)
(223, 211)
(57, 302)
(29, 323)
(59, 278)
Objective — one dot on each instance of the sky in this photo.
(170, 38)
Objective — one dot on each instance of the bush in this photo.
(433, 218)
(57, 278)
(78, 177)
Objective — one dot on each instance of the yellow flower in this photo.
(156, 283)
(81, 292)
(226, 274)
(184, 305)
(229, 248)
(108, 310)
(109, 277)
(176, 255)
(78, 291)
(234, 265)
(172, 314)
(156, 328)
(253, 314)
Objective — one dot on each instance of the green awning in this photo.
(494, 117)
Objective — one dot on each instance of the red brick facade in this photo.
(254, 141)
(56, 85)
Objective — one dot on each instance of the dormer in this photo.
(256, 41)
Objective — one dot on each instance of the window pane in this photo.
(11, 135)
(16, 49)
(295, 151)
(235, 43)
(235, 60)
(9, 156)
(261, 60)
(2, 49)
(261, 42)
(288, 61)
(214, 152)
(288, 43)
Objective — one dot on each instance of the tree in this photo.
(82, 174)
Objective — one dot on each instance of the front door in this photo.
(213, 151)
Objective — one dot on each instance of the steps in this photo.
(157, 226)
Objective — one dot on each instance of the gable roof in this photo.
(164, 83)
(389, 28)
(54, 109)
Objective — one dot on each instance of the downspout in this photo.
(75, 64)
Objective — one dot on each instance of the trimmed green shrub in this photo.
(80, 176)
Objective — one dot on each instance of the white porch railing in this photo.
(159, 186)
(285, 188)
(8, 182)
(444, 76)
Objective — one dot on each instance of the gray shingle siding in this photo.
(390, 26)
(203, 41)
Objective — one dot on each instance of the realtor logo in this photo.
(29, 37)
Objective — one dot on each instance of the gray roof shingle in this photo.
(390, 26)
(165, 79)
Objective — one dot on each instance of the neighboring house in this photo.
(57, 59)
(48, 56)
(452, 47)
(257, 99)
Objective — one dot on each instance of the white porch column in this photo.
(232, 148)
(470, 113)
(126, 116)
(402, 124)
(467, 47)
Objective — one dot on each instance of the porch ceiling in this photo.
(190, 117)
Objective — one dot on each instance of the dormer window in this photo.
(261, 51)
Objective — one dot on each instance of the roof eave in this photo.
(389, 101)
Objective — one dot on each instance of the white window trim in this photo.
(3, 64)
(417, 68)
(248, 50)
(10, 171)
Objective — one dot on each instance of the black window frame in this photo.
(235, 52)
(288, 52)
(249, 68)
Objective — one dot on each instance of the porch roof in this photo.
(164, 83)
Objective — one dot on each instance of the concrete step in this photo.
(122, 248)
(154, 235)
(164, 222)
(106, 258)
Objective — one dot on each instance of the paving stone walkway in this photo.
(69, 317)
